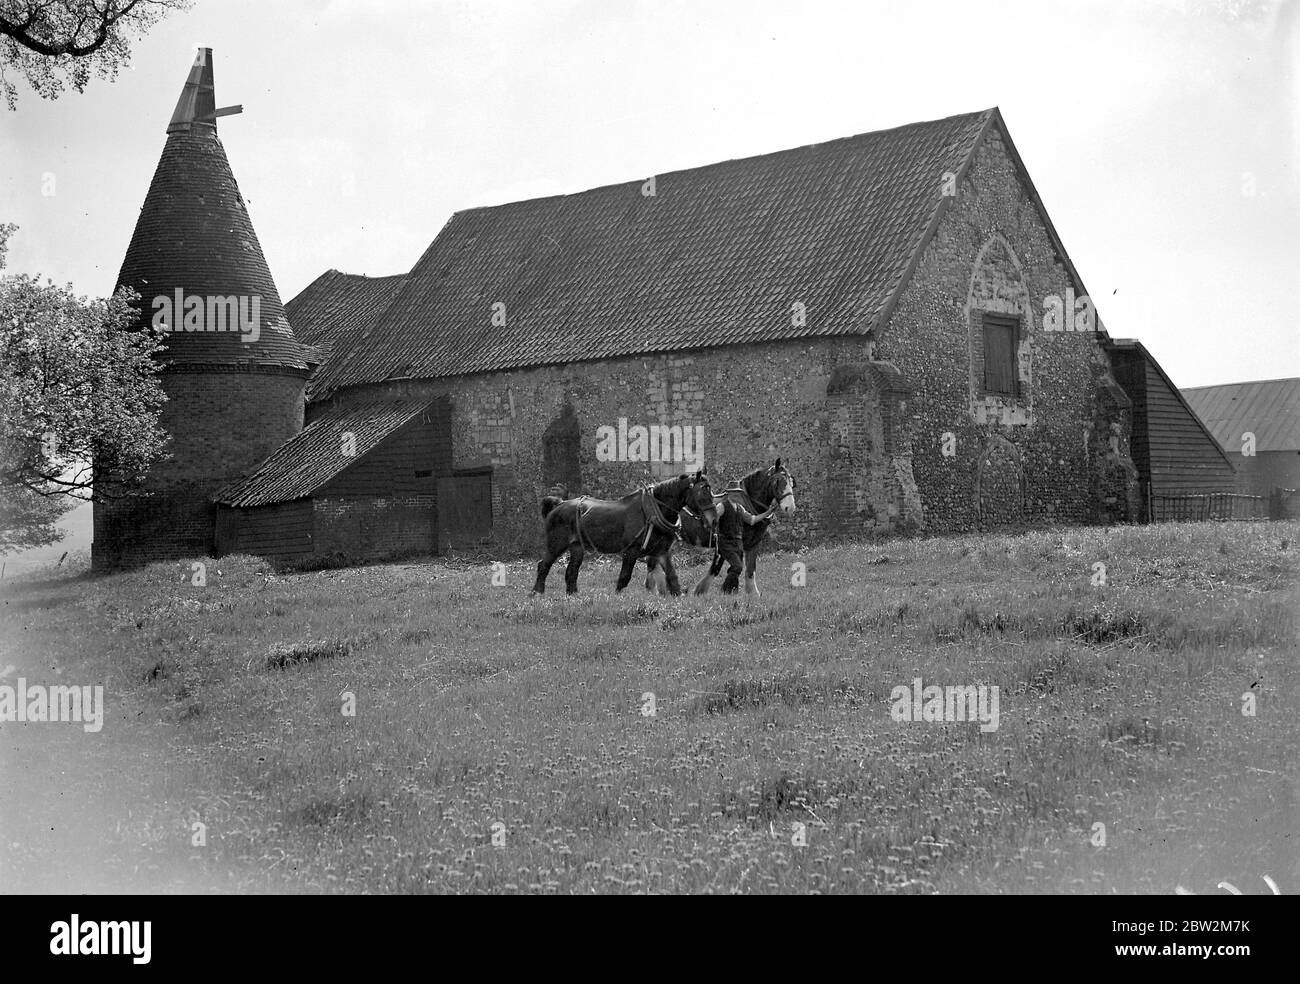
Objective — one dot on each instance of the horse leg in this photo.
(544, 567)
(571, 569)
(751, 577)
(625, 574)
(670, 574)
(654, 577)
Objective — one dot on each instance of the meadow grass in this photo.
(770, 763)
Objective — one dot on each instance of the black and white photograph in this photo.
(649, 447)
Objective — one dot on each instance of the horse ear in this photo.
(704, 470)
(777, 466)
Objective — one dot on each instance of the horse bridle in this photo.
(789, 489)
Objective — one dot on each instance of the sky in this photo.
(1162, 135)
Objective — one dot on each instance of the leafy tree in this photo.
(79, 403)
(52, 43)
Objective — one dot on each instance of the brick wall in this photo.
(373, 527)
(224, 422)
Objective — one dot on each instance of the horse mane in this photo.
(748, 482)
(655, 487)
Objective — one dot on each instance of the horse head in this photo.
(699, 497)
(688, 490)
(774, 484)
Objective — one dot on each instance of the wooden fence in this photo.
(1208, 505)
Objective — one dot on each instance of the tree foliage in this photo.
(79, 403)
(57, 43)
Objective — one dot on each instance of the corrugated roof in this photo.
(194, 235)
(1268, 408)
(302, 465)
(718, 255)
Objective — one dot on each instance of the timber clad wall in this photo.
(1182, 458)
(1173, 452)
(383, 505)
(394, 467)
(282, 531)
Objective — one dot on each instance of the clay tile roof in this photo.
(338, 306)
(1267, 408)
(315, 456)
(194, 235)
(718, 255)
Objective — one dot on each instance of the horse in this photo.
(643, 523)
(697, 530)
(757, 491)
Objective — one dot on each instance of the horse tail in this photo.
(549, 503)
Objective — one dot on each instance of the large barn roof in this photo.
(1267, 408)
(717, 255)
(317, 454)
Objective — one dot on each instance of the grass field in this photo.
(504, 743)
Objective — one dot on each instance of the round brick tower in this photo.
(233, 372)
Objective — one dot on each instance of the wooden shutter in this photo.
(464, 510)
(1000, 370)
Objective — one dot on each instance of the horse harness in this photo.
(713, 533)
(651, 510)
(654, 517)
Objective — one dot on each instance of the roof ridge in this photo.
(835, 225)
(729, 160)
(1244, 382)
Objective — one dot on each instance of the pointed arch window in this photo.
(1001, 341)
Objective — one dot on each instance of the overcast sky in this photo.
(1162, 136)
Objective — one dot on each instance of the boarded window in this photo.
(1000, 371)
(464, 509)
(561, 451)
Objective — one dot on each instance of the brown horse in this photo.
(757, 492)
(644, 523)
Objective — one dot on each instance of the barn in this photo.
(1180, 463)
(871, 309)
(892, 313)
(1258, 423)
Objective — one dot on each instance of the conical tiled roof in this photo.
(194, 236)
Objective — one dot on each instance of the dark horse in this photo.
(644, 523)
(757, 492)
